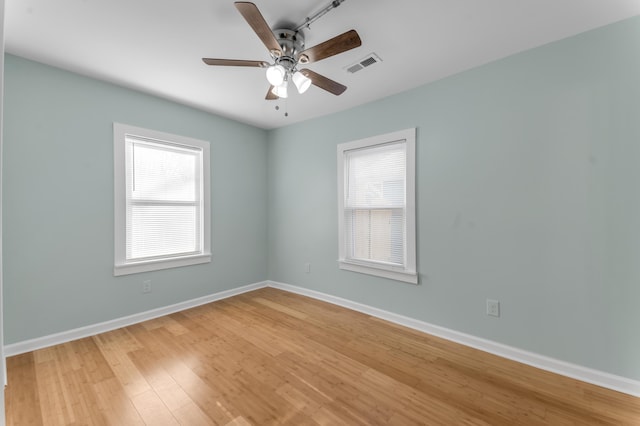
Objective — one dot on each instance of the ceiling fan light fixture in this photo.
(276, 75)
(301, 81)
(281, 90)
(287, 49)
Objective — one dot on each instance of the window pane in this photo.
(163, 173)
(376, 235)
(162, 230)
(376, 177)
(375, 202)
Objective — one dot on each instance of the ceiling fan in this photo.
(287, 50)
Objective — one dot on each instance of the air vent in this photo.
(354, 68)
(367, 61)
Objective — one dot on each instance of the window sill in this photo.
(155, 265)
(407, 277)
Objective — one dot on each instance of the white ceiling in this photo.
(156, 46)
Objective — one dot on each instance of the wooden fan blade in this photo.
(331, 47)
(235, 62)
(324, 82)
(255, 19)
(270, 95)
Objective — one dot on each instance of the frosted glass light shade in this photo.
(276, 74)
(301, 81)
(281, 90)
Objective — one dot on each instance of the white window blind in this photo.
(161, 200)
(376, 202)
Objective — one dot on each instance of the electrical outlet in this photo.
(307, 268)
(146, 286)
(493, 308)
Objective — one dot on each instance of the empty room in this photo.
(348, 212)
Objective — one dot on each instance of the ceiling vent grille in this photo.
(363, 63)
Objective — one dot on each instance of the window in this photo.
(376, 199)
(162, 213)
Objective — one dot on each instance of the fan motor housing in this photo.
(291, 42)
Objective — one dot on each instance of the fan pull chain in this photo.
(286, 108)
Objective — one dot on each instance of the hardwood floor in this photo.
(271, 357)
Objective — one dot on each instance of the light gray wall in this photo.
(2, 359)
(58, 193)
(527, 191)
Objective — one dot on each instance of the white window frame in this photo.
(407, 272)
(121, 265)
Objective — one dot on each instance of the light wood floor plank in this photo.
(271, 357)
(23, 403)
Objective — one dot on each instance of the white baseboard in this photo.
(578, 372)
(91, 330)
(596, 377)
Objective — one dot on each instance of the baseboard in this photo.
(578, 372)
(91, 330)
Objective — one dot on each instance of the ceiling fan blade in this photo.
(235, 62)
(324, 82)
(331, 47)
(255, 19)
(270, 95)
